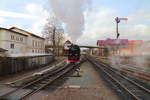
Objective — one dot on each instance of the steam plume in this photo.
(70, 12)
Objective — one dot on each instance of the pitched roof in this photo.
(13, 31)
(26, 32)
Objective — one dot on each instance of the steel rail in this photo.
(139, 74)
(117, 77)
(69, 68)
(34, 81)
(54, 75)
(116, 71)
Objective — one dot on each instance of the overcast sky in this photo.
(99, 18)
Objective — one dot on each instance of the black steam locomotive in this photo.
(74, 53)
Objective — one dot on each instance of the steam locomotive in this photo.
(74, 53)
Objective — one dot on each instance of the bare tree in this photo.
(59, 40)
(53, 29)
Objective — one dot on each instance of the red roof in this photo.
(112, 42)
(135, 41)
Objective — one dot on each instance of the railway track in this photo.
(134, 90)
(40, 83)
(138, 74)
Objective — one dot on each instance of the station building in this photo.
(18, 42)
(124, 47)
(21, 50)
(111, 46)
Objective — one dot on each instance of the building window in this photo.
(12, 37)
(33, 43)
(21, 39)
(38, 44)
(12, 46)
(33, 51)
(17, 38)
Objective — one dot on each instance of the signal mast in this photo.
(117, 22)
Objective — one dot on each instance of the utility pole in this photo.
(54, 47)
(117, 22)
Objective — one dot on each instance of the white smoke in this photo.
(70, 12)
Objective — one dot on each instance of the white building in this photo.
(19, 42)
(67, 44)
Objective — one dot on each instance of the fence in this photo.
(10, 65)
